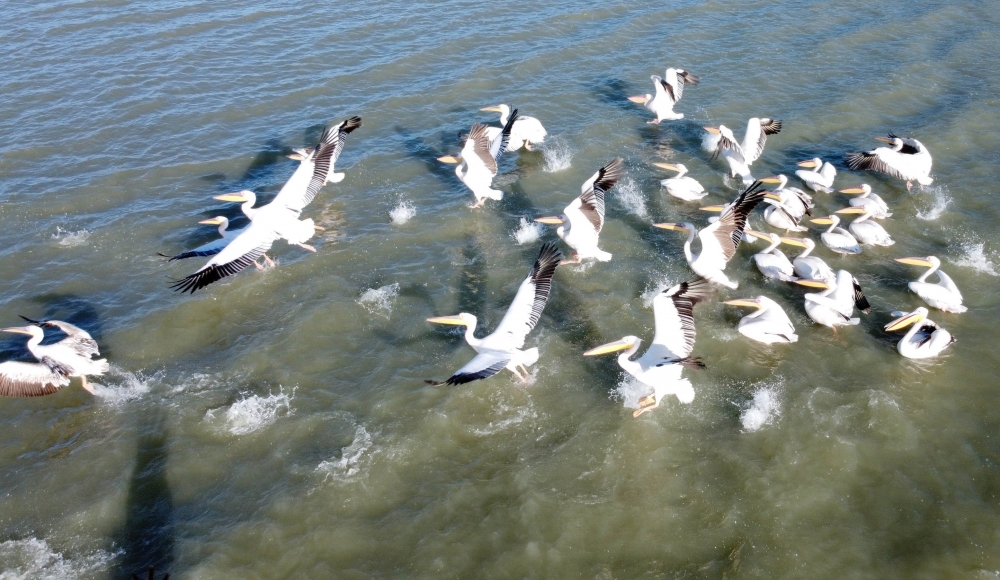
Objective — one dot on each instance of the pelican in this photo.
(215, 246)
(661, 365)
(583, 218)
(834, 306)
(907, 159)
(809, 267)
(70, 357)
(779, 215)
(865, 230)
(501, 349)
(335, 138)
(668, 92)
(771, 262)
(315, 168)
(944, 295)
(76, 337)
(740, 156)
(769, 324)
(682, 186)
(925, 339)
(720, 239)
(837, 239)
(796, 202)
(820, 175)
(868, 199)
(526, 131)
(478, 160)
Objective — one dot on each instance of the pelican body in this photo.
(740, 156)
(681, 186)
(809, 267)
(668, 92)
(771, 262)
(907, 159)
(944, 295)
(70, 357)
(836, 238)
(794, 201)
(526, 131)
(818, 175)
(865, 230)
(865, 198)
(768, 324)
(477, 163)
(925, 339)
(833, 307)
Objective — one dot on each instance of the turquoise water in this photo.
(276, 425)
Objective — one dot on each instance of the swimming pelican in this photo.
(865, 230)
(779, 215)
(526, 131)
(820, 176)
(720, 239)
(868, 199)
(770, 261)
(70, 357)
(944, 295)
(809, 267)
(796, 202)
(668, 92)
(837, 239)
(833, 307)
(740, 156)
(478, 160)
(661, 365)
(769, 324)
(501, 349)
(925, 339)
(213, 247)
(907, 159)
(681, 186)
(583, 218)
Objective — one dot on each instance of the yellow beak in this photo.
(212, 222)
(453, 320)
(758, 235)
(449, 159)
(667, 166)
(809, 163)
(676, 227)
(824, 221)
(712, 130)
(813, 284)
(793, 242)
(638, 99)
(852, 190)
(752, 302)
(774, 196)
(715, 208)
(770, 180)
(914, 261)
(610, 347)
(851, 210)
(904, 321)
(231, 197)
(17, 329)
(883, 139)
(493, 109)
(549, 220)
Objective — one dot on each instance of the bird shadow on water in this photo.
(417, 148)
(146, 537)
(471, 295)
(612, 91)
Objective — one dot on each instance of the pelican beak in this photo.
(758, 235)
(639, 99)
(453, 320)
(851, 210)
(809, 163)
(712, 130)
(493, 109)
(751, 302)
(770, 180)
(715, 208)
(17, 329)
(449, 159)
(675, 227)
(610, 347)
(793, 242)
(212, 222)
(295, 156)
(823, 221)
(667, 166)
(237, 197)
(555, 220)
(883, 139)
(852, 190)
(904, 321)
(771, 195)
(813, 284)
(914, 261)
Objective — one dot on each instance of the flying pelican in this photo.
(215, 246)
(583, 218)
(944, 295)
(907, 159)
(834, 306)
(866, 230)
(820, 176)
(809, 267)
(720, 239)
(837, 239)
(76, 337)
(681, 186)
(769, 324)
(924, 340)
(740, 156)
(526, 131)
(661, 365)
(868, 199)
(501, 349)
(668, 92)
(70, 357)
(478, 160)
(335, 138)
(771, 262)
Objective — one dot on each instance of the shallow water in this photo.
(277, 425)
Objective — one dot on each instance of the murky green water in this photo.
(277, 425)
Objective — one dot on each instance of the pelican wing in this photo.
(756, 137)
(210, 249)
(673, 311)
(729, 145)
(498, 144)
(883, 160)
(478, 144)
(24, 379)
(665, 86)
(483, 366)
(240, 253)
(525, 310)
(721, 238)
(860, 302)
(327, 152)
(590, 204)
(686, 77)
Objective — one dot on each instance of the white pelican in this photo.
(76, 337)
(501, 349)
(944, 295)
(866, 230)
(478, 160)
(583, 218)
(778, 215)
(668, 92)
(334, 138)
(526, 131)
(720, 239)
(769, 324)
(809, 267)
(661, 365)
(834, 306)
(681, 186)
(820, 176)
(740, 156)
(70, 357)
(907, 159)
(924, 340)
(837, 239)
(796, 202)
(770, 261)
(880, 210)
(215, 246)
(315, 167)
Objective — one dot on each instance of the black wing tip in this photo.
(549, 256)
(350, 124)
(692, 362)
(696, 289)
(433, 383)
(36, 322)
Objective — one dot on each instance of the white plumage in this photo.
(925, 339)
(526, 131)
(70, 357)
(668, 91)
(681, 186)
(819, 174)
(907, 159)
(835, 305)
(768, 324)
(944, 295)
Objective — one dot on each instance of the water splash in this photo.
(124, 386)
(402, 213)
(252, 413)
(34, 559)
(510, 416)
(349, 464)
(975, 257)
(527, 232)
(939, 204)
(653, 290)
(629, 391)
(379, 300)
(70, 239)
(558, 156)
(762, 410)
(628, 195)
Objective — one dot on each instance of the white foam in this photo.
(70, 239)
(123, 386)
(252, 413)
(527, 232)
(762, 410)
(558, 156)
(939, 204)
(652, 291)
(349, 464)
(627, 193)
(629, 391)
(975, 257)
(402, 213)
(379, 300)
(510, 417)
(34, 559)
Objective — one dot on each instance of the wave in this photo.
(938, 205)
(71, 239)
(350, 462)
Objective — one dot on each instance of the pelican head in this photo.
(772, 196)
(681, 227)
(813, 283)
(751, 302)
(552, 220)
(216, 221)
(450, 159)
(928, 262)
(642, 99)
(864, 188)
(907, 319)
(239, 197)
(460, 319)
(672, 167)
(626, 342)
(814, 163)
